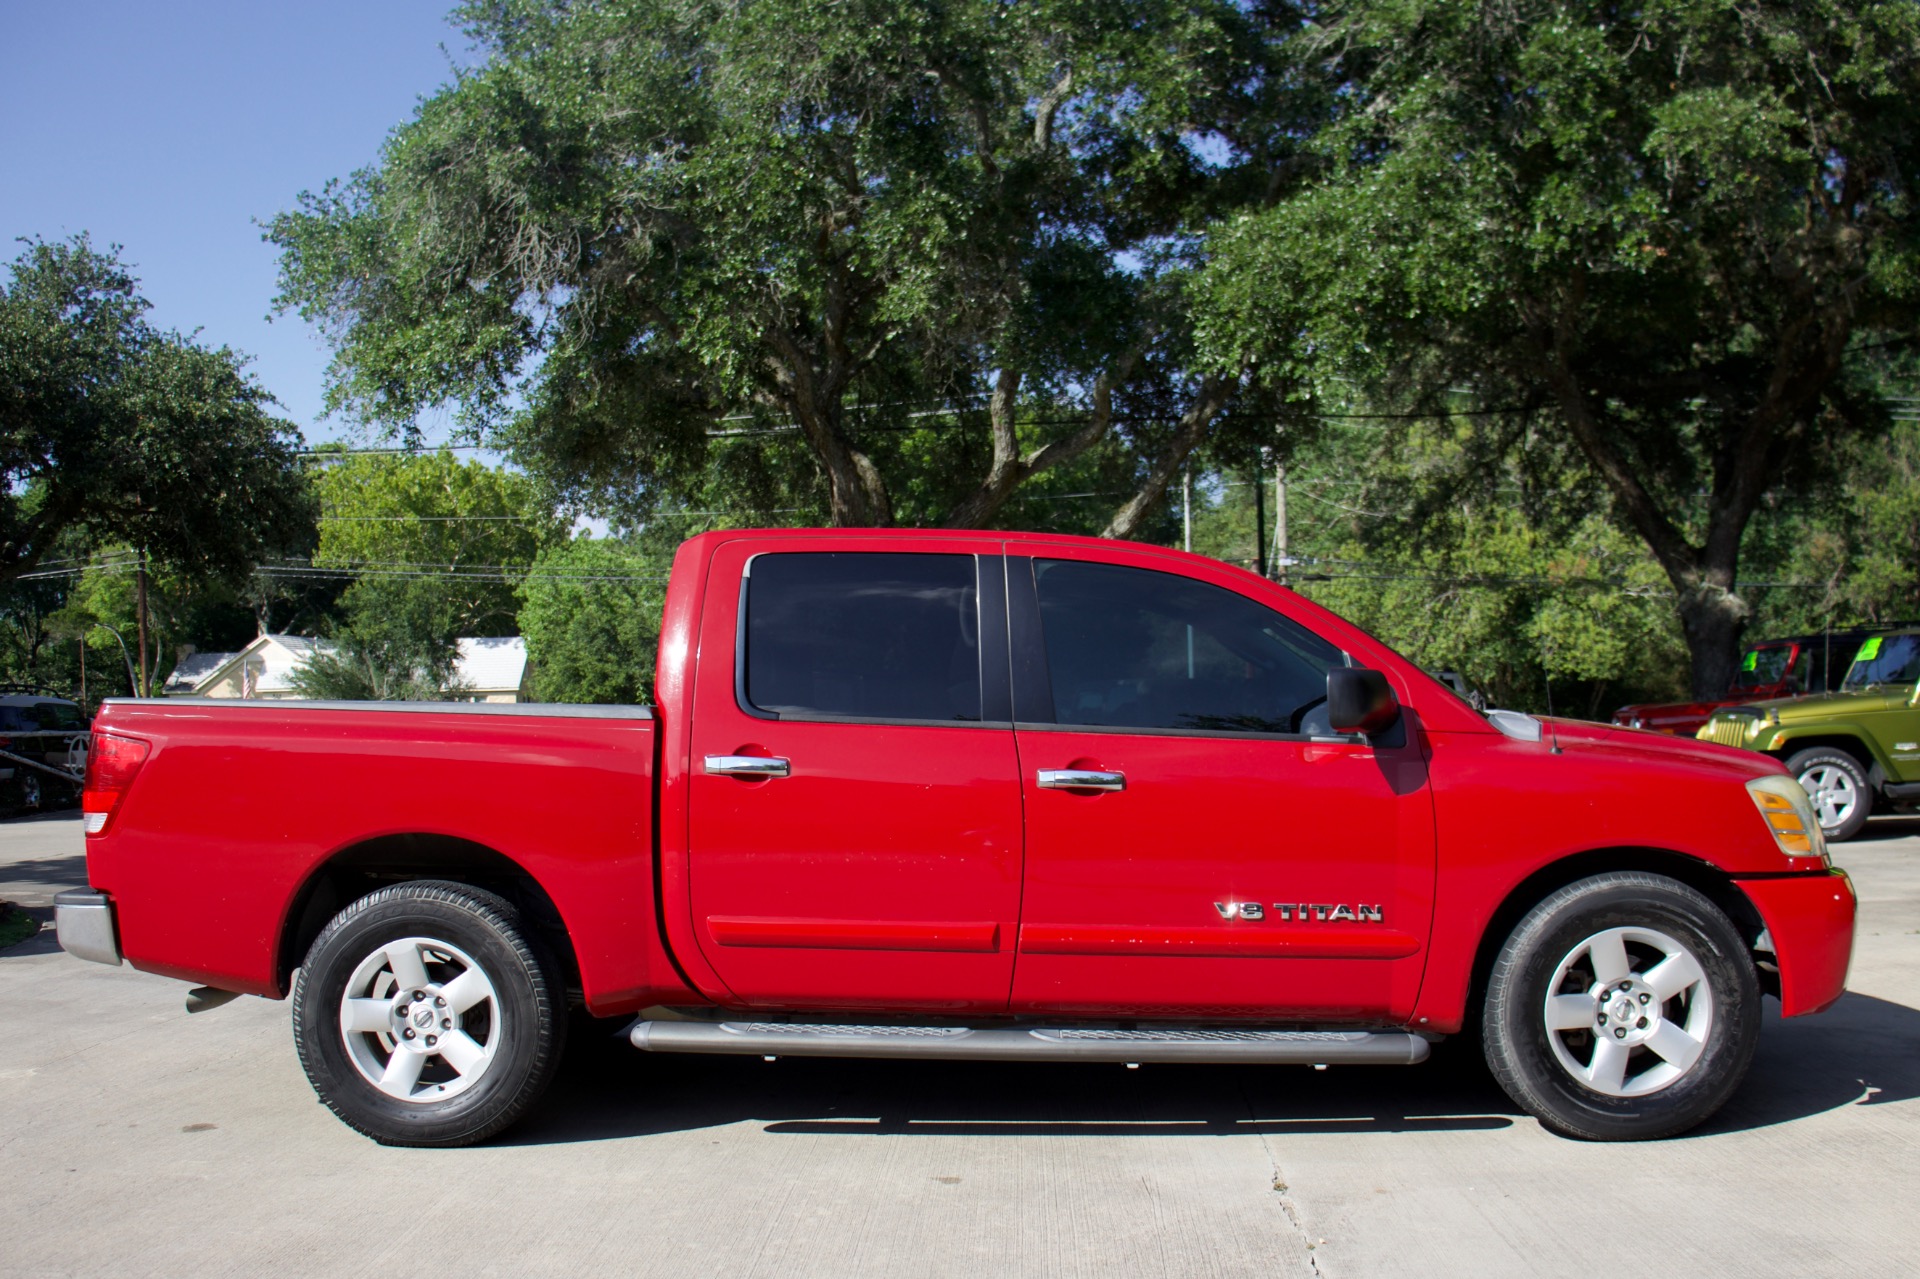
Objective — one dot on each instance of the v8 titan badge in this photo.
(1328, 911)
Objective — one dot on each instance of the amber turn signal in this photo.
(1789, 814)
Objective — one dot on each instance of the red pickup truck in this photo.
(997, 796)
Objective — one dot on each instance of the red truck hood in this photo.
(1580, 734)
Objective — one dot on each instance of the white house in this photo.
(488, 670)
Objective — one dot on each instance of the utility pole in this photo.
(1186, 507)
(1260, 516)
(140, 606)
(82, 642)
(1280, 557)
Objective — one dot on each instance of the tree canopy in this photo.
(118, 432)
(984, 264)
(433, 548)
(925, 252)
(1664, 234)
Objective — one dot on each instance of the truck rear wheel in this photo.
(426, 1016)
(1622, 1008)
(1842, 796)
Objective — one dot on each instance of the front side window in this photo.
(1762, 667)
(863, 635)
(1133, 648)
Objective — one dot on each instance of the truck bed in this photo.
(262, 794)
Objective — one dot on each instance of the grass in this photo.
(15, 926)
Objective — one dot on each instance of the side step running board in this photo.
(785, 1039)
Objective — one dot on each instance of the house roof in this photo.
(194, 668)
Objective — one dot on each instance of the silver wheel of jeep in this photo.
(1628, 1012)
(421, 1020)
(1834, 794)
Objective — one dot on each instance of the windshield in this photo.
(1763, 666)
(1885, 659)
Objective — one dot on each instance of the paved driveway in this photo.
(137, 1140)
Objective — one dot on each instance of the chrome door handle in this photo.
(1080, 779)
(747, 766)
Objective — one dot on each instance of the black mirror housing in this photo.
(1360, 701)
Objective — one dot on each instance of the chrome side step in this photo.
(787, 1039)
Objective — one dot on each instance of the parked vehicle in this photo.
(990, 796)
(43, 749)
(1800, 666)
(1849, 749)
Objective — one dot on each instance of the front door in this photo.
(1199, 843)
(854, 801)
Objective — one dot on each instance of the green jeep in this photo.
(1846, 747)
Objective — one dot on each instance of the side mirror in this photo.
(1360, 701)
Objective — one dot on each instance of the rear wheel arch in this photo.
(365, 867)
(1704, 877)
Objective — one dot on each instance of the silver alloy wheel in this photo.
(1628, 1011)
(421, 1020)
(1833, 792)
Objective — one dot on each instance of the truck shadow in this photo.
(1877, 830)
(1865, 1051)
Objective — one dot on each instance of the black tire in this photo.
(525, 1009)
(1540, 1077)
(1807, 767)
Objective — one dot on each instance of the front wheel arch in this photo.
(1862, 753)
(1703, 877)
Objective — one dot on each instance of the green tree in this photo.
(100, 607)
(1664, 234)
(592, 618)
(127, 434)
(902, 259)
(434, 549)
(380, 668)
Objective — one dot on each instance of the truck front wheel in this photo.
(1622, 1008)
(425, 1015)
(1842, 796)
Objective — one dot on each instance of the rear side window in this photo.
(1132, 648)
(863, 635)
(57, 715)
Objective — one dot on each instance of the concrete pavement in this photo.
(137, 1140)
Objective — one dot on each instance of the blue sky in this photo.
(169, 128)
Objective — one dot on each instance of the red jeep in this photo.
(1796, 667)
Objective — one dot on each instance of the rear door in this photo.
(1199, 843)
(854, 800)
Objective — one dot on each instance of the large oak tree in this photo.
(115, 432)
(1665, 232)
(641, 226)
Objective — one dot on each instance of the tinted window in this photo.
(875, 636)
(1886, 659)
(1762, 666)
(57, 715)
(1131, 648)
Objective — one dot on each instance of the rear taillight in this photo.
(112, 764)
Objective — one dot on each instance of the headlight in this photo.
(1789, 815)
